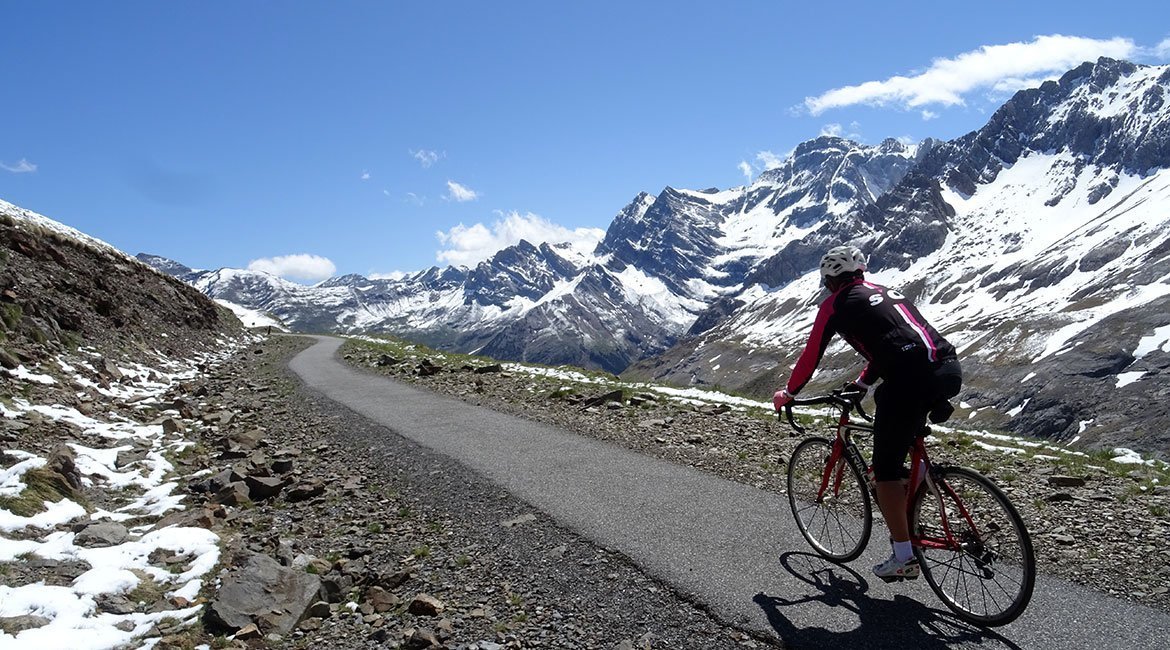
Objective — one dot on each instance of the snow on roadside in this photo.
(74, 620)
(252, 318)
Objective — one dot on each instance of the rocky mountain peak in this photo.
(1026, 231)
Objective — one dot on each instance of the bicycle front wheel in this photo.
(980, 563)
(829, 501)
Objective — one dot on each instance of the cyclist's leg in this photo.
(899, 414)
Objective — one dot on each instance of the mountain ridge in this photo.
(1055, 197)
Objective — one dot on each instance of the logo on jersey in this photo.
(877, 298)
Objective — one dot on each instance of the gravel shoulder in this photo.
(507, 576)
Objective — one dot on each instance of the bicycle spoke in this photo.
(836, 522)
(990, 578)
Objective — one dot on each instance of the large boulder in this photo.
(262, 592)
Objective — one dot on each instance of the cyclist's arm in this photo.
(869, 375)
(818, 340)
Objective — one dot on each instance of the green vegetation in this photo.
(148, 591)
(41, 485)
(10, 315)
(420, 552)
(71, 340)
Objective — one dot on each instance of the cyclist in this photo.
(918, 369)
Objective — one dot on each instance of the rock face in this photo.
(262, 592)
(1021, 240)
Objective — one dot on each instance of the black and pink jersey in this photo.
(881, 324)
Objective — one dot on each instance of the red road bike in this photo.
(970, 541)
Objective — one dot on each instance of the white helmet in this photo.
(842, 259)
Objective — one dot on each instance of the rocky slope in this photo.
(353, 536)
(60, 288)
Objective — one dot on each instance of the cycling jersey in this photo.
(881, 324)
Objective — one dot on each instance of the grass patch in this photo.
(148, 591)
(10, 315)
(41, 485)
(420, 552)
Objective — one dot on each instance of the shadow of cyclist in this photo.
(900, 623)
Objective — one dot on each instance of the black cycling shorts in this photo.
(902, 404)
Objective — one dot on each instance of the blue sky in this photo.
(311, 138)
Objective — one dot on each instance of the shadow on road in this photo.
(900, 623)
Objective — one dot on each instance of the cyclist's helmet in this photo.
(841, 260)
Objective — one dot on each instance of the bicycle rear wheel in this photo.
(985, 570)
(837, 521)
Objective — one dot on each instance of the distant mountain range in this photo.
(1039, 244)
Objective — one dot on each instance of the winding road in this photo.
(734, 547)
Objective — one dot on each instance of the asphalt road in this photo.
(734, 547)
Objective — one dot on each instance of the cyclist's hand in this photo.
(854, 388)
(781, 398)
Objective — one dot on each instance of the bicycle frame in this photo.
(919, 472)
(920, 464)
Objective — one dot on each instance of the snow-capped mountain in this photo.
(1038, 244)
(663, 262)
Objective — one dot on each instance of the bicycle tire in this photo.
(989, 580)
(837, 527)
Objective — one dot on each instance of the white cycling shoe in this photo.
(893, 570)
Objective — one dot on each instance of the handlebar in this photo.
(848, 402)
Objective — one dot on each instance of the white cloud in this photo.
(1162, 50)
(413, 198)
(746, 169)
(365, 175)
(469, 245)
(928, 115)
(852, 132)
(426, 158)
(22, 167)
(1002, 68)
(296, 267)
(770, 160)
(460, 193)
